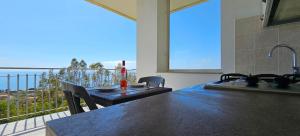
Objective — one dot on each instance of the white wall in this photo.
(149, 48)
(253, 43)
(231, 11)
(146, 38)
(181, 80)
(152, 36)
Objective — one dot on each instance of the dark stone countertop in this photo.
(190, 112)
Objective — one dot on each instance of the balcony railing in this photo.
(29, 92)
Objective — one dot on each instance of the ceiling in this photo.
(127, 8)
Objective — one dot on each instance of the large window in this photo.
(195, 37)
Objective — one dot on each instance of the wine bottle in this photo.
(123, 81)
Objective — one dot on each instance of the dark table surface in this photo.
(190, 112)
(116, 96)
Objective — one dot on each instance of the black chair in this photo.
(153, 81)
(70, 101)
(73, 93)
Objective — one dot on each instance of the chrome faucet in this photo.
(296, 68)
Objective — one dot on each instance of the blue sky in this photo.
(50, 33)
(195, 37)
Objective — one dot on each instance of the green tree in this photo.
(3, 108)
(43, 80)
(74, 63)
(82, 65)
(97, 76)
(117, 74)
(73, 71)
(131, 77)
(106, 77)
(96, 66)
(84, 77)
(61, 74)
(52, 78)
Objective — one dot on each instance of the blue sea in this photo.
(22, 80)
(32, 83)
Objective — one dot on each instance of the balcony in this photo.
(29, 97)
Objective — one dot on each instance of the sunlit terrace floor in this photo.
(32, 126)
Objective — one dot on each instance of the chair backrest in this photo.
(153, 81)
(70, 101)
(76, 93)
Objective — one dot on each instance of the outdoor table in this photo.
(116, 96)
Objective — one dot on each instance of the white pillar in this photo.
(152, 37)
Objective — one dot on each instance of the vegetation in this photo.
(48, 96)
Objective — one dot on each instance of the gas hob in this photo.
(288, 83)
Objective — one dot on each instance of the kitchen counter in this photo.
(293, 89)
(193, 112)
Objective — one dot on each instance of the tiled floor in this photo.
(33, 126)
(30, 127)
